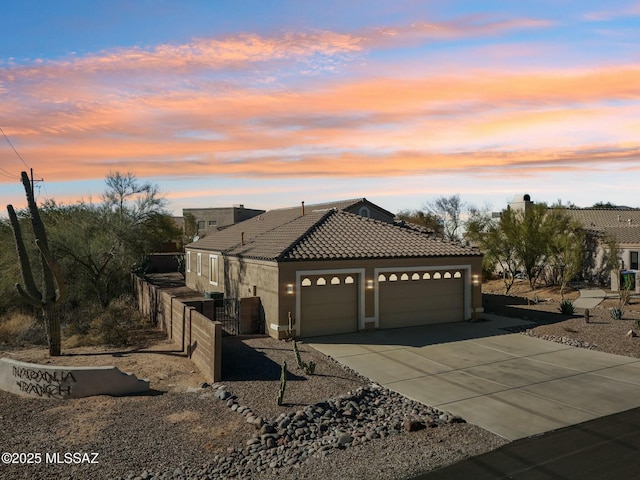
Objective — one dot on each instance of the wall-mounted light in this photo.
(475, 279)
(369, 283)
(290, 288)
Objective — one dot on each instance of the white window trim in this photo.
(188, 262)
(199, 264)
(213, 264)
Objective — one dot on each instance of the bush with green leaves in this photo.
(616, 313)
(567, 308)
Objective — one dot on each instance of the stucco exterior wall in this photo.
(276, 284)
(253, 278)
(288, 279)
(197, 270)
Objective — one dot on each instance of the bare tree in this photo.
(449, 211)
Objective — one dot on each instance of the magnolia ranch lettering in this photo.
(43, 383)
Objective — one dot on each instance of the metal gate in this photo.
(227, 312)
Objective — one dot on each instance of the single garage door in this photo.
(328, 305)
(407, 299)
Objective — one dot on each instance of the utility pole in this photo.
(33, 181)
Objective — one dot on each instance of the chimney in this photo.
(302, 208)
(241, 238)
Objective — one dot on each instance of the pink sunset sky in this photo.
(223, 103)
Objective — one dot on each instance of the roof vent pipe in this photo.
(629, 221)
(302, 208)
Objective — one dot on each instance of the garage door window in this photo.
(457, 275)
(437, 276)
(348, 280)
(321, 281)
(393, 277)
(426, 276)
(335, 281)
(382, 278)
(404, 277)
(415, 276)
(306, 282)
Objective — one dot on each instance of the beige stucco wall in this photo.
(287, 276)
(201, 282)
(239, 278)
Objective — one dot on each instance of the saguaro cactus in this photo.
(53, 289)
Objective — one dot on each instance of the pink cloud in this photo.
(159, 115)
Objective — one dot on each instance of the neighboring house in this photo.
(211, 219)
(621, 224)
(336, 268)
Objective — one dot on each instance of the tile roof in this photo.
(622, 223)
(628, 235)
(324, 233)
(231, 235)
(343, 235)
(599, 218)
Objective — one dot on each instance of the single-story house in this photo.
(338, 267)
(621, 224)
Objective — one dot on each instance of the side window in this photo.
(634, 261)
(213, 269)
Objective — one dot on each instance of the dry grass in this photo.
(19, 329)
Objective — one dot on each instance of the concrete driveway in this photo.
(510, 384)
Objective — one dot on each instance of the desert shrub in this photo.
(115, 324)
(20, 329)
(79, 319)
(567, 308)
(616, 313)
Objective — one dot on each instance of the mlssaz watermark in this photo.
(34, 458)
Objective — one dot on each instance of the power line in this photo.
(13, 148)
(6, 174)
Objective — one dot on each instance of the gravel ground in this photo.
(602, 333)
(180, 428)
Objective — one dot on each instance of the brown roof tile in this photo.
(343, 235)
(622, 223)
(326, 232)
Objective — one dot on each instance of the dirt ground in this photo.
(542, 306)
(153, 357)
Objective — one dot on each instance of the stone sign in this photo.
(50, 381)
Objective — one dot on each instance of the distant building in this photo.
(212, 219)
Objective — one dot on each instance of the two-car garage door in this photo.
(408, 299)
(330, 304)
